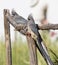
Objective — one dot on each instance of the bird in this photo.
(32, 27)
(18, 19)
(37, 37)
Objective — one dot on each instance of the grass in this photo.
(2, 53)
(20, 53)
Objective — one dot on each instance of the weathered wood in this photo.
(48, 26)
(7, 40)
(13, 22)
(31, 43)
(44, 27)
(32, 50)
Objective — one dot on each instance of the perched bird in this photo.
(36, 35)
(32, 27)
(19, 19)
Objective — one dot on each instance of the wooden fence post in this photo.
(7, 40)
(32, 51)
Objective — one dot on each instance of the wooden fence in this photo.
(31, 42)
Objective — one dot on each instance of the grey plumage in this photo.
(39, 40)
(18, 19)
(32, 25)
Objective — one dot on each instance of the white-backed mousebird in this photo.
(36, 35)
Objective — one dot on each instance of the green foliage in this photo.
(52, 47)
(2, 53)
(20, 52)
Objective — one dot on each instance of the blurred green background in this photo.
(20, 51)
